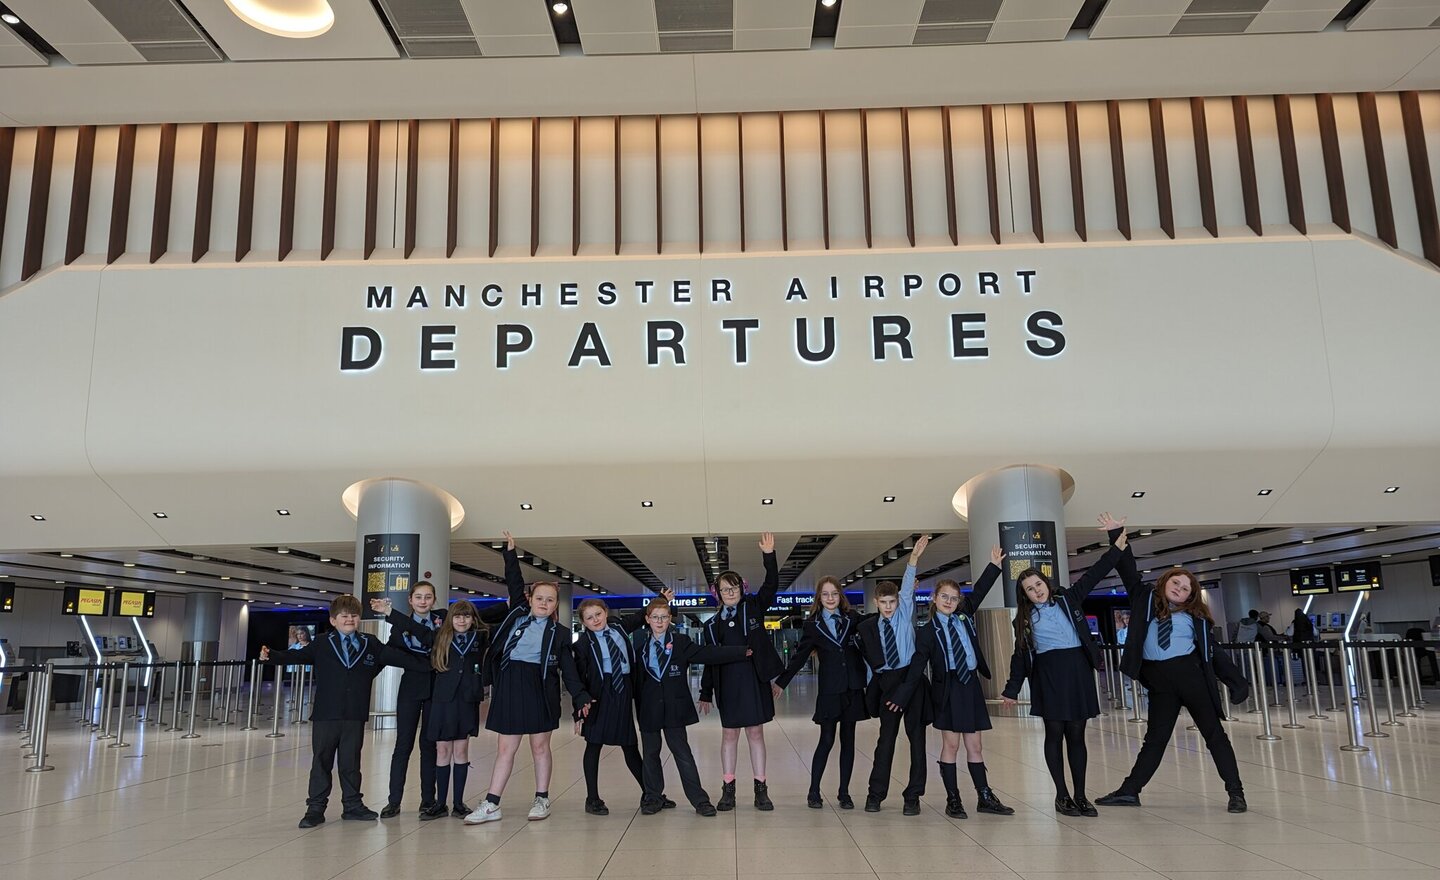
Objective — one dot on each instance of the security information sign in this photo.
(1027, 544)
(388, 569)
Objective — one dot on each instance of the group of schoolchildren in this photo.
(629, 686)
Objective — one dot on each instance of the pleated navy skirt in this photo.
(518, 702)
(1062, 686)
(456, 719)
(612, 720)
(848, 707)
(963, 708)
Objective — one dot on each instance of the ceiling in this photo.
(310, 574)
(97, 61)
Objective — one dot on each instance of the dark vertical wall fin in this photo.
(372, 186)
(1203, 171)
(7, 155)
(740, 132)
(865, 174)
(784, 199)
(1245, 147)
(412, 183)
(1032, 165)
(1334, 170)
(494, 222)
(659, 194)
(534, 185)
(287, 189)
(574, 186)
(992, 191)
(1375, 165)
(80, 194)
(824, 184)
(700, 181)
(244, 226)
(204, 192)
(1289, 163)
(164, 182)
(951, 220)
(617, 185)
(1420, 177)
(120, 202)
(909, 180)
(332, 180)
(452, 192)
(1162, 166)
(1117, 169)
(1077, 178)
(34, 253)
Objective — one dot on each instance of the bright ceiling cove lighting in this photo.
(559, 8)
(10, 18)
(829, 4)
(297, 19)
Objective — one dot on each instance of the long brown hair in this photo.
(1023, 606)
(1194, 606)
(440, 651)
(816, 607)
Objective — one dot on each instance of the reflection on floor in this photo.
(225, 805)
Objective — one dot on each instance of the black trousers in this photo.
(654, 774)
(410, 718)
(890, 722)
(1174, 684)
(332, 741)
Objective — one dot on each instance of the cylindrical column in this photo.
(1389, 697)
(42, 722)
(1261, 699)
(1240, 592)
(402, 535)
(1022, 508)
(194, 695)
(200, 634)
(1315, 712)
(120, 742)
(275, 704)
(1294, 723)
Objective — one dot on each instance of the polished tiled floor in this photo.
(225, 806)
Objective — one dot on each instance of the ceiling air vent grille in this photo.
(159, 29)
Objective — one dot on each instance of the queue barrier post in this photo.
(1354, 745)
(107, 697)
(176, 697)
(1294, 722)
(1315, 712)
(253, 696)
(159, 714)
(194, 695)
(1135, 698)
(1262, 698)
(119, 737)
(33, 699)
(305, 676)
(1414, 661)
(1389, 695)
(225, 691)
(27, 716)
(1364, 673)
(80, 695)
(42, 721)
(275, 715)
(1330, 677)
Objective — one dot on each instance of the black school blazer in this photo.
(751, 616)
(842, 662)
(928, 651)
(591, 670)
(668, 702)
(463, 680)
(342, 693)
(1023, 660)
(1216, 665)
(555, 655)
(414, 684)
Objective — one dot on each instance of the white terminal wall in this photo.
(1197, 371)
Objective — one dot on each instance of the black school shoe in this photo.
(872, 804)
(706, 809)
(647, 808)
(955, 808)
(460, 810)
(845, 801)
(989, 803)
(1066, 807)
(666, 803)
(1118, 798)
(434, 811)
(361, 813)
(912, 807)
(310, 820)
(596, 807)
(727, 797)
(762, 797)
(1086, 808)
(1237, 803)
(390, 811)
(814, 801)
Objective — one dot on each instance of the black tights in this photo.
(592, 767)
(822, 753)
(1073, 734)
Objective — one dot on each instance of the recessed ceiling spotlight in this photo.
(1391, 490)
(889, 499)
(277, 603)
(526, 506)
(1231, 537)
(1265, 492)
(181, 571)
(264, 583)
(559, 8)
(324, 558)
(1214, 558)
(37, 517)
(1384, 555)
(128, 564)
(1146, 571)
(1372, 529)
(282, 549)
(10, 18)
(59, 582)
(294, 587)
(160, 514)
(282, 511)
(1308, 541)
(297, 19)
(324, 592)
(67, 555)
(647, 503)
(224, 577)
(1257, 551)
(767, 501)
(829, 4)
(1137, 494)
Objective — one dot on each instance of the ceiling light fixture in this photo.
(526, 506)
(37, 517)
(829, 4)
(181, 571)
(282, 549)
(559, 8)
(67, 555)
(767, 501)
(282, 511)
(889, 499)
(224, 577)
(10, 18)
(1137, 494)
(1373, 529)
(324, 558)
(1308, 541)
(1145, 533)
(1264, 491)
(1384, 555)
(129, 564)
(647, 503)
(160, 514)
(295, 19)
(1391, 490)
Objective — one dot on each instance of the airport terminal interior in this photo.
(536, 440)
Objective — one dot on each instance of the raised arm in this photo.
(514, 577)
(404, 622)
(1130, 576)
(905, 612)
(771, 586)
(985, 582)
(1103, 566)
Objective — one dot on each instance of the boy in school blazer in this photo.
(346, 663)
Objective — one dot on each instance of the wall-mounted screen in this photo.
(1310, 581)
(135, 603)
(84, 600)
(1435, 571)
(1354, 577)
(7, 598)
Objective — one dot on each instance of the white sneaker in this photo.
(540, 809)
(487, 812)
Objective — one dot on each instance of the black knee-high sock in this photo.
(592, 770)
(462, 773)
(949, 778)
(442, 784)
(847, 754)
(822, 755)
(636, 763)
(977, 775)
(1054, 760)
(1079, 755)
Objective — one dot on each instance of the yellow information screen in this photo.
(90, 602)
(132, 604)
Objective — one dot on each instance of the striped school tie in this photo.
(607, 650)
(515, 637)
(887, 638)
(1162, 635)
(957, 647)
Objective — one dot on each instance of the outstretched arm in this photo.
(514, 578)
(771, 586)
(905, 611)
(1103, 566)
(985, 582)
(803, 650)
